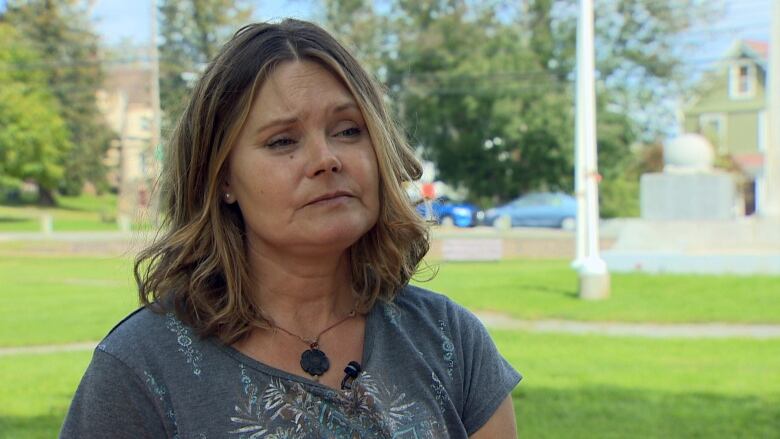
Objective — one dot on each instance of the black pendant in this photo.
(314, 362)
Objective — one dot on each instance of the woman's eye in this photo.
(349, 132)
(280, 142)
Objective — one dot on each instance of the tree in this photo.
(34, 139)
(61, 33)
(474, 98)
(486, 89)
(365, 34)
(192, 32)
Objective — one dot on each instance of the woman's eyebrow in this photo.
(287, 120)
(276, 122)
(350, 105)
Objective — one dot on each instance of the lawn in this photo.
(595, 386)
(84, 296)
(35, 391)
(547, 289)
(574, 387)
(82, 213)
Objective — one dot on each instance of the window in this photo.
(742, 78)
(713, 127)
(146, 123)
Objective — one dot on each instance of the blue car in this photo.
(447, 212)
(540, 209)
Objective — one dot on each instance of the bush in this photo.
(619, 198)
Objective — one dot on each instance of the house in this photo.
(126, 102)
(730, 110)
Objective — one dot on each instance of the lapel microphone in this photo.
(351, 372)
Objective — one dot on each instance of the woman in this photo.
(277, 304)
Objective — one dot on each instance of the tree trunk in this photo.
(46, 197)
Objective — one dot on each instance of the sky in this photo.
(738, 19)
(118, 19)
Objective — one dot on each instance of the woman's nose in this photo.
(323, 158)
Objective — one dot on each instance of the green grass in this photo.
(57, 300)
(95, 213)
(35, 391)
(84, 296)
(595, 386)
(547, 289)
(574, 387)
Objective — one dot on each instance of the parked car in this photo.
(447, 212)
(539, 209)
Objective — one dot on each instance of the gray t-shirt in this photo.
(430, 370)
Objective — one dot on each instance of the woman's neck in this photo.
(302, 295)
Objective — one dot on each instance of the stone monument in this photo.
(689, 188)
(691, 223)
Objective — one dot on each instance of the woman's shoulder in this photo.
(418, 298)
(147, 335)
(419, 306)
(137, 324)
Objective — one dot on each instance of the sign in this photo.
(472, 249)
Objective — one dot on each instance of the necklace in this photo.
(313, 360)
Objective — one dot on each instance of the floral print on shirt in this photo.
(371, 409)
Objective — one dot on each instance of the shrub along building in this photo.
(730, 110)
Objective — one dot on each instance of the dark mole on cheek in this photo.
(291, 156)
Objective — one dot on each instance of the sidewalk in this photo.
(495, 320)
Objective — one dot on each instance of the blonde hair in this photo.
(198, 263)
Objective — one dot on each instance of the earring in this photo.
(228, 197)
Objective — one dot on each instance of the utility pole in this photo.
(771, 204)
(593, 275)
(156, 115)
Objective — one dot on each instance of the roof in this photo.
(755, 49)
(761, 48)
(751, 163)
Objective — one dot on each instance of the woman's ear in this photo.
(227, 196)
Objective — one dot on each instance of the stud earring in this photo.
(228, 197)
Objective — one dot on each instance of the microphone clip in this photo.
(351, 372)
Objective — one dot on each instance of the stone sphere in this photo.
(688, 153)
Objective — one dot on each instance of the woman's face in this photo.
(303, 170)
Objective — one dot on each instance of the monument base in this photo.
(697, 196)
(594, 286)
(593, 277)
(744, 246)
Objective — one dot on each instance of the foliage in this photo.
(192, 31)
(365, 33)
(619, 198)
(61, 33)
(34, 140)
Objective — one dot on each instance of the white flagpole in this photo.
(593, 275)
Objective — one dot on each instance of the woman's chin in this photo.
(338, 237)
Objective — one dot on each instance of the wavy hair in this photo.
(198, 262)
